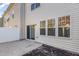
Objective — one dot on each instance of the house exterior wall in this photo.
(11, 28)
(47, 11)
(18, 20)
(24, 16)
(12, 22)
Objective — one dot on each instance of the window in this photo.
(51, 25)
(34, 6)
(42, 27)
(64, 26)
(60, 32)
(8, 20)
(13, 16)
(67, 32)
(42, 31)
(51, 31)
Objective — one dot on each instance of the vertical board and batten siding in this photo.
(47, 11)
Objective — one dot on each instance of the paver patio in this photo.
(17, 48)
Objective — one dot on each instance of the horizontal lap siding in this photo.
(47, 11)
(75, 22)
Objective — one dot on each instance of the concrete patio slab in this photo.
(17, 48)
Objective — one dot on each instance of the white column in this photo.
(22, 21)
(56, 26)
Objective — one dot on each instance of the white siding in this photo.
(9, 34)
(47, 11)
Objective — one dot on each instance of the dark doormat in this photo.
(46, 50)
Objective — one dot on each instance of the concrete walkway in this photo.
(17, 48)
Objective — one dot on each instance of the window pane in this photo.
(34, 6)
(59, 21)
(68, 21)
(62, 21)
(42, 24)
(51, 23)
(42, 27)
(8, 19)
(13, 16)
(60, 32)
(37, 5)
(66, 32)
(42, 31)
(51, 31)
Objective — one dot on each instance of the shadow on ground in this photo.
(46, 50)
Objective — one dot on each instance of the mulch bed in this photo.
(46, 50)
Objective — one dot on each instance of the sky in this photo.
(3, 7)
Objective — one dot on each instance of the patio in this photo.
(31, 48)
(17, 48)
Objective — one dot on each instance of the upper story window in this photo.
(34, 6)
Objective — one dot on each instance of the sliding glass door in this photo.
(31, 32)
